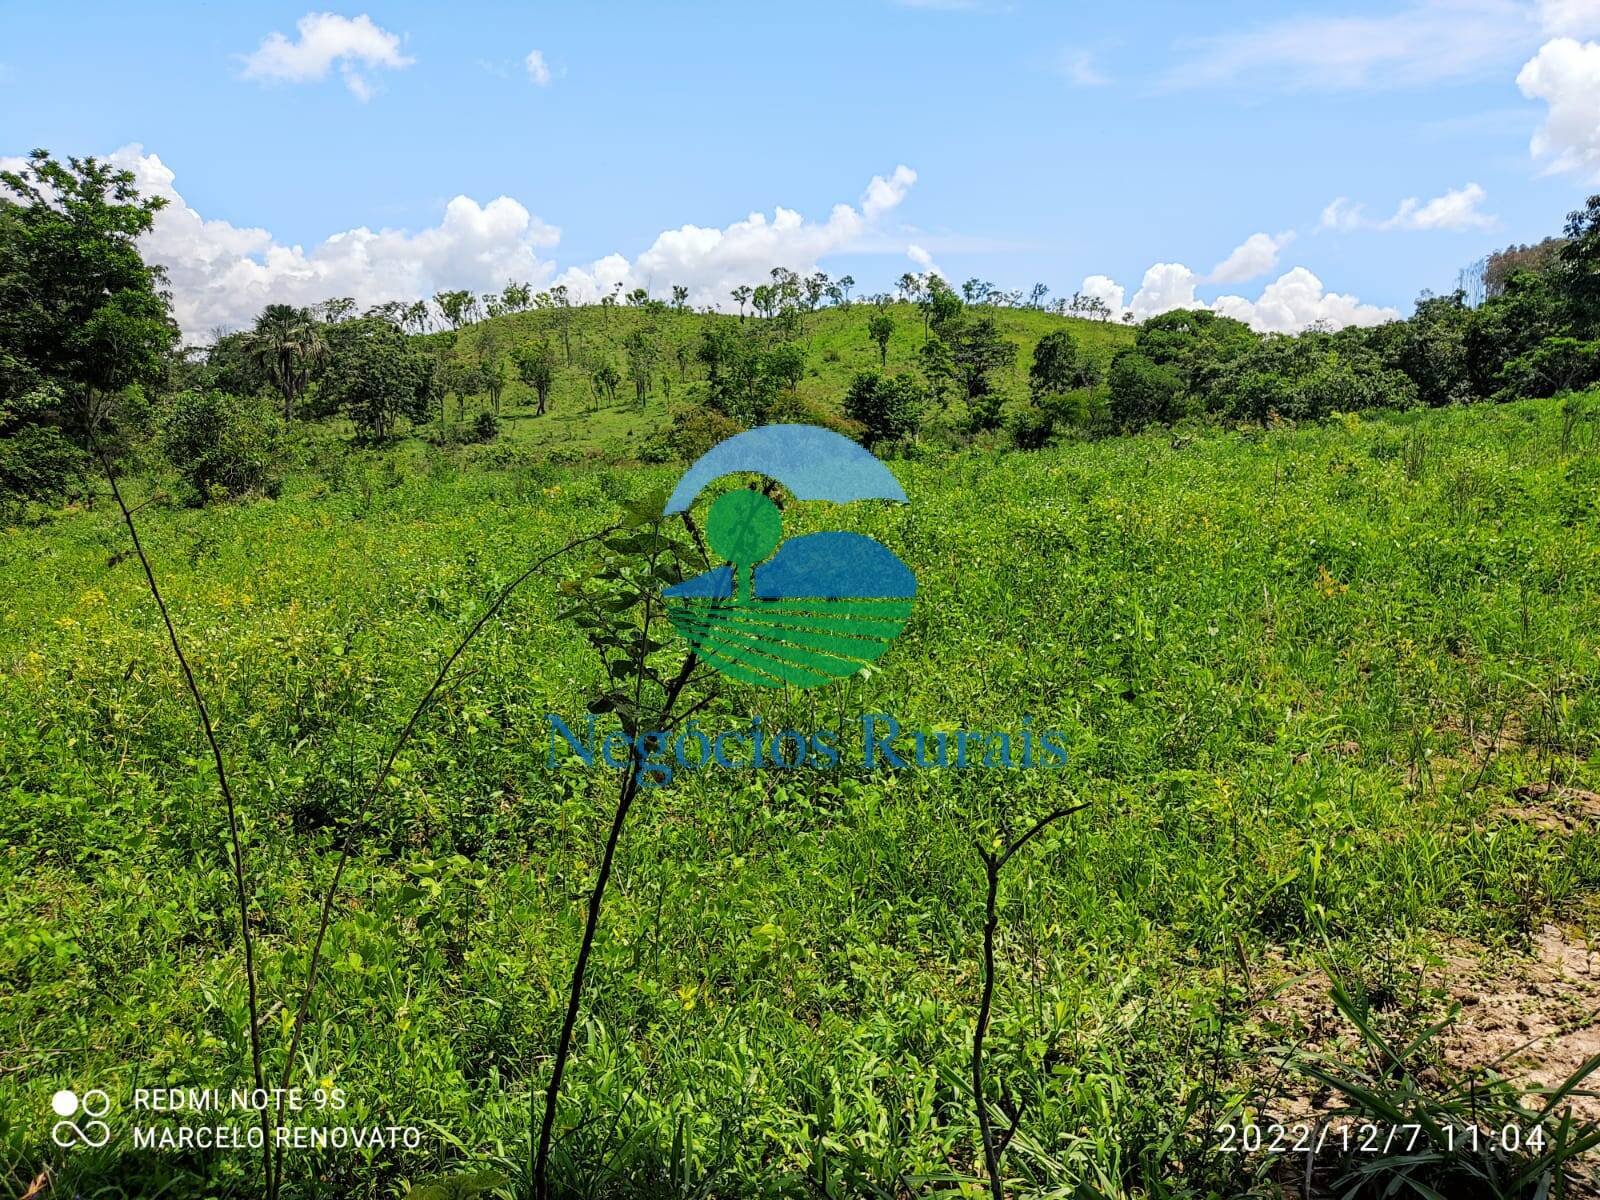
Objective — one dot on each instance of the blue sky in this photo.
(1049, 141)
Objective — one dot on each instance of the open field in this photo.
(1329, 690)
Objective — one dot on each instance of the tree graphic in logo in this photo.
(823, 605)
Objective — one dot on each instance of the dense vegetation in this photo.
(1318, 679)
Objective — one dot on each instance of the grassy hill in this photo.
(1330, 691)
(834, 339)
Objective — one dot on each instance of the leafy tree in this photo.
(880, 327)
(741, 295)
(680, 297)
(1143, 392)
(516, 296)
(221, 445)
(458, 308)
(938, 367)
(491, 364)
(492, 379)
(1431, 349)
(536, 368)
(1198, 345)
(1555, 365)
(1576, 271)
(561, 302)
(287, 342)
(84, 323)
(816, 287)
(976, 351)
(607, 379)
(889, 409)
(1055, 364)
(1517, 316)
(333, 310)
(231, 366)
(376, 377)
(787, 362)
(642, 351)
(739, 380)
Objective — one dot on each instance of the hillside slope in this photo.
(835, 342)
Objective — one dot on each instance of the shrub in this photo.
(376, 377)
(696, 430)
(221, 445)
(1055, 364)
(1142, 392)
(38, 461)
(485, 427)
(1040, 422)
(1557, 364)
(889, 410)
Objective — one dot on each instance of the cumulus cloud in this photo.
(1165, 286)
(327, 40)
(710, 262)
(1105, 289)
(883, 194)
(924, 260)
(1456, 210)
(1565, 74)
(538, 70)
(222, 274)
(1254, 256)
(1295, 301)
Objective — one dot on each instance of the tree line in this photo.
(91, 363)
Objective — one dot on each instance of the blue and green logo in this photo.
(805, 611)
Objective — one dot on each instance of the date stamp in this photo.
(1316, 1138)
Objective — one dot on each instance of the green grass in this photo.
(1278, 658)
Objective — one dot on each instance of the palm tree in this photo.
(286, 341)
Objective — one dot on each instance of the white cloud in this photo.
(1106, 290)
(1079, 68)
(327, 40)
(538, 71)
(1342, 215)
(1570, 18)
(1296, 301)
(883, 194)
(1456, 210)
(1565, 74)
(710, 262)
(1254, 256)
(1293, 302)
(222, 275)
(1428, 42)
(924, 260)
(1166, 286)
